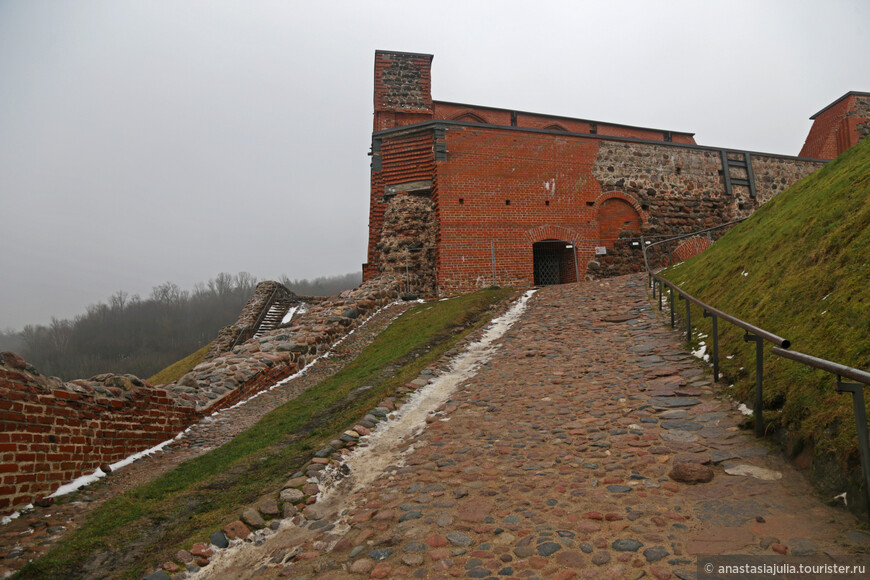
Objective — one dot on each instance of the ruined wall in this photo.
(403, 89)
(53, 431)
(407, 245)
(404, 164)
(264, 295)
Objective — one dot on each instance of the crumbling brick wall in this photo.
(53, 431)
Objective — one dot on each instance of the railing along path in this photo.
(781, 347)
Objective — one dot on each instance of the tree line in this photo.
(129, 334)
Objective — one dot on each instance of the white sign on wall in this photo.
(600, 250)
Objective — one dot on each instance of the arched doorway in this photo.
(554, 262)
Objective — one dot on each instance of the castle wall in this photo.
(497, 190)
(839, 126)
(53, 431)
(399, 164)
(492, 116)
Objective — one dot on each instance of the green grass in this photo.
(132, 534)
(806, 255)
(177, 370)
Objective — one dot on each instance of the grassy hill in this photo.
(799, 267)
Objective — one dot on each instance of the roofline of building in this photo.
(430, 56)
(431, 124)
(562, 117)
(849, 94)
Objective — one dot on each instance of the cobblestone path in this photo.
(34, 533)
(554, 461)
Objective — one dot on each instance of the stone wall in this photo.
(862, 110)
(682, 189)
(407, 245)
(53, 431)
(264, 295)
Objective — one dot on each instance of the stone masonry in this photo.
(53, 431)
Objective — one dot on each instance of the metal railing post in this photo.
(857, 390)
(688, 323)
(671, 293)
(715, 345)
(661, 291)
(759, 377)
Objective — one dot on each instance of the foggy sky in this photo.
(152, 141)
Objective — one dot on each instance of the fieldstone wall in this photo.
(774, 175)
(682, 190)
(407, 245)
(264, 295)
(862, 109)
(53, 431)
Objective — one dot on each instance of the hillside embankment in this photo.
(591, 444)
(800, 268)
(149, 524)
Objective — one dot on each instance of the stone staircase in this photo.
(276, 313)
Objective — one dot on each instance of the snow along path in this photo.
(387, 444)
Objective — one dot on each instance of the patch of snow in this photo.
(745, 273)
(701, 352)
(842, 496)
(825, 297)
(730, 356)
(824, 312)
(388, 443)
(289, 316)
(744, 409)
(15, 515)
(98, 473)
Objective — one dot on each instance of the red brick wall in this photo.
(837, 128)
(403, 89)
(547, 183)
(691, 247)
(50, 436)
(616, 215)
(405, 159)
(473, 114)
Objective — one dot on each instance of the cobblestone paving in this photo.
(34, 533)
(566, 456)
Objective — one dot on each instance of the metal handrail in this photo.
(266, 305)
(781, 349)
(825, 365)
(750, 328)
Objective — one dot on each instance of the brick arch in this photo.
(644, 215)
(468, 117)
(691, 247)
(617, 212)
(555, 127)
(550, 232)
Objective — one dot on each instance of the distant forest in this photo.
(128, 334)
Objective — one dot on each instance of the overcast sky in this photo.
(149, 141)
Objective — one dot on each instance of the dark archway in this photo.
(554, 262)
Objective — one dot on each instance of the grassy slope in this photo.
(807, 258)
(147, 525)
(177, 370)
